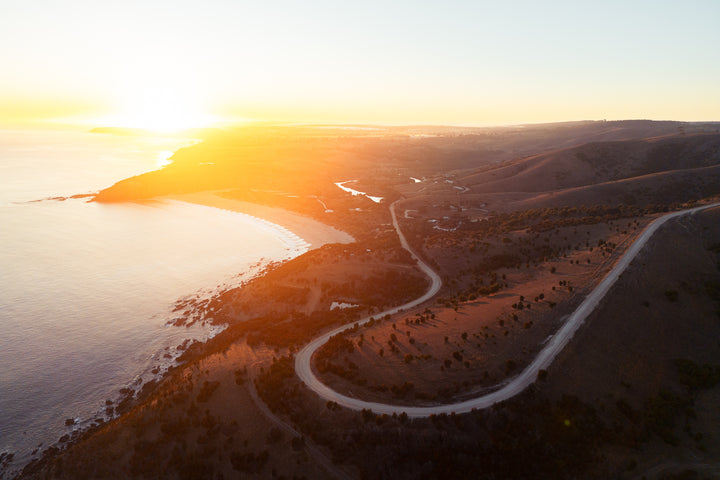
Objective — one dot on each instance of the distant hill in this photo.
(306, 158)
(646, 170)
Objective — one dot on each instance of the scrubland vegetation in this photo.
(635, 387)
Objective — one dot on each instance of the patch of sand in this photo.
(313, 232)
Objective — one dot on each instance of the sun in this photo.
(159, 108)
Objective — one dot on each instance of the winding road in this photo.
(544, 358)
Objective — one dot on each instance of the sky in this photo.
(179, 63)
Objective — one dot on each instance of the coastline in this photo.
(314, 233)
(299, 232)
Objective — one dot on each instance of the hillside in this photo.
(596, 163)
(309, 159)
(673, 186)
(623, 361)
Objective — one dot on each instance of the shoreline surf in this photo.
(309, 230)
(299, 234)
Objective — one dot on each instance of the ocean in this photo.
(87, 289)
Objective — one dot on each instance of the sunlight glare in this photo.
(163, 158)
(160, 108)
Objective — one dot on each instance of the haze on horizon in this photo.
(180, 64)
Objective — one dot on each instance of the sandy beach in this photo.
(311, 231)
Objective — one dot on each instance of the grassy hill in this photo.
(596, 163)
(662, 170)
(307, 160)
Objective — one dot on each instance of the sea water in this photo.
(87, 289)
